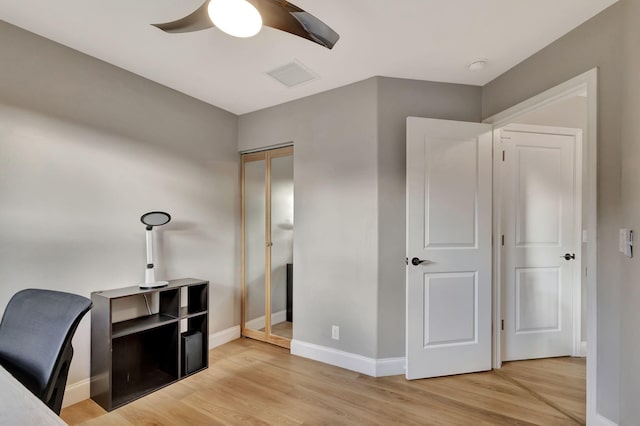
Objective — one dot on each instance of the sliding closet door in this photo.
(282, 245)
(267, 236)
(254, 230)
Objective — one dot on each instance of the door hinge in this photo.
(503, 240)
(502, 325)
(503, 155)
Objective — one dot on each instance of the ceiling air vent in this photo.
(292, 74)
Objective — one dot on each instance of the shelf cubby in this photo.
(137, 325)
(144, 362)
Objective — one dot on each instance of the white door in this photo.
(449, 231)
(540, 223)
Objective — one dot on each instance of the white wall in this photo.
(85, 149)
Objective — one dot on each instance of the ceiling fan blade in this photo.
(278, 14)
(284, 16)
(196, 21)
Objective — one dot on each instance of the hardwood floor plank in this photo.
(253, 383)
(560, 381)
(81, 412)
(482, 396)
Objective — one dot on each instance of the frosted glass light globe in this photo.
(238, 18)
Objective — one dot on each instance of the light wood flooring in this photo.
(254, 383)
(560, 382)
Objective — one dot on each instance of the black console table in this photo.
(139, 355)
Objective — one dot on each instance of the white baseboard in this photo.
(361, 364)
(81, 390)
(258, 323)
(76, 392)
(224, 336)
(391, 366)
(583, 349)
(603, 421)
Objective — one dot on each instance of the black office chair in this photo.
(35, 340)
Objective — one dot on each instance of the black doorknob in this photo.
(415, 261)
(569, 256)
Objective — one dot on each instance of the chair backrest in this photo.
(35, 340)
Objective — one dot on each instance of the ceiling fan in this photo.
(244, 18)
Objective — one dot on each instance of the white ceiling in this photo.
(417, 39)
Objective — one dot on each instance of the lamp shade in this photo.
(238, 18)
(155, 218)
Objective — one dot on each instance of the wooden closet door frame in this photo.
(265, 335)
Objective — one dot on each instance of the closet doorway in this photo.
(267, 246)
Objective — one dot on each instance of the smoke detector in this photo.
(477, 65)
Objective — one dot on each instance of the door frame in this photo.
(585, 83)
(576, 266)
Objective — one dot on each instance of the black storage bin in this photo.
(191, 352)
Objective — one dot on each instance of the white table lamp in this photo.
(152, 219)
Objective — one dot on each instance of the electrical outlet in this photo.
(335, 332)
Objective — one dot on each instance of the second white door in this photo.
(541, 246)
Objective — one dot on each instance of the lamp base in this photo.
(155, 284)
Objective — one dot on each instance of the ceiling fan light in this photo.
(238, 18)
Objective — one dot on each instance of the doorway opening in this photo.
(579, 92)
(267, 246)
(540, 182)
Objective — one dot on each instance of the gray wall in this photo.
(630, 295)
(570, 112)
(85, 149)
(335, 203)
(349, 161)
(397, 100)
(596, 43)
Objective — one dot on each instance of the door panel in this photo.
(539, 215)
(448, 226)
(538, 299)
(450, 313)
(451, 177)
(538, 197)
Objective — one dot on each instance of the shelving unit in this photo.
(136, 356)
